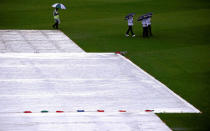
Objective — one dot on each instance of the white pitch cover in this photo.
(84, 121)
(36, 41)
(45, 70)
(88, 81)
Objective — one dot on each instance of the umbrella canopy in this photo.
(149, 14)
(145, 16)
(131, 14)
(59, 5)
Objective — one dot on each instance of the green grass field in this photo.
(178, 54)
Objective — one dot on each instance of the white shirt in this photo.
(130, 21)
(148, 21)
(144, 23)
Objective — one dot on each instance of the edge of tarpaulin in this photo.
(163, 122)
(52, 55)
(71, 40)
(95, 111)
(137, 67)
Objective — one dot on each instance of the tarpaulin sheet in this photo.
(88, 81)
(81, 122)
(36, 41)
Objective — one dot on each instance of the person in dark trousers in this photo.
(130, 26)
(148, 21)
(145, 28)
(56, 18)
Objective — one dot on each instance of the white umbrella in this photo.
(59, 5)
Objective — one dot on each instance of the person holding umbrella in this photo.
(143, 20)
(148, 21)
(56, 14)
(145, 27)
(56, 18)
(129, 17)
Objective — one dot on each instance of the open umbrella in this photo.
(149, 14)
(143, 17)
(59, 5)
(131, 14)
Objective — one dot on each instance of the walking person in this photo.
(56, 18)
(130, 26)
(56, 14)
(145, 28)
(148, 20)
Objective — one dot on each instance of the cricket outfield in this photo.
(177, 55)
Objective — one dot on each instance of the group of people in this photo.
(146, 24)
(145, 20)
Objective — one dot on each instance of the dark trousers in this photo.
(130, 29)
(145, 31)
(149, 30)
(56, 24)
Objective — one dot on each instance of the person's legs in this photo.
(129, 28)
(150, 30)
(56, 24)
(146, 31)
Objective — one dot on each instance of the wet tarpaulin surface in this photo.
(36, 41)
(81, 122)
(88, 81)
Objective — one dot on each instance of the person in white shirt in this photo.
(145, 28)
(148, 21)
(130, 26)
